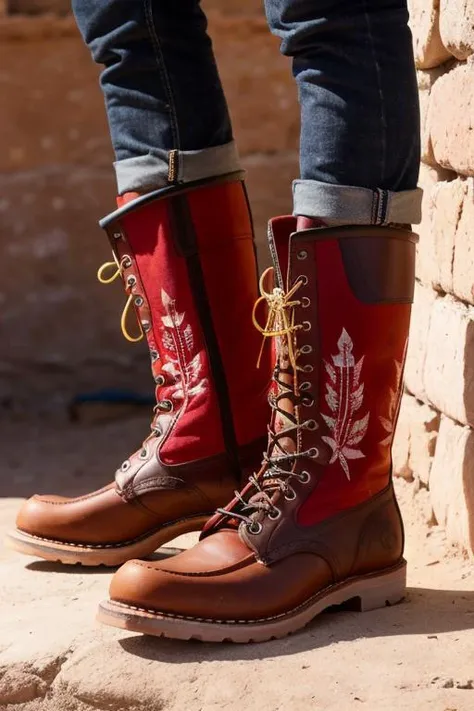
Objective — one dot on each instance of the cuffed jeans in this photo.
(354, 68)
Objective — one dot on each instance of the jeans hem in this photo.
(151, 171)
(355, 205)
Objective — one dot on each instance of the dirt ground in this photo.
(418, 655)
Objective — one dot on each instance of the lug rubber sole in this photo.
(369, 592)
(93, 555)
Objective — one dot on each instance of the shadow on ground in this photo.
(425, 611)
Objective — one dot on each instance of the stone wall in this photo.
(59, 331)
(435, 438)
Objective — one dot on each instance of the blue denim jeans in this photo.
(353, 64)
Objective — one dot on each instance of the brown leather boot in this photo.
(187, 259)
(319, 524)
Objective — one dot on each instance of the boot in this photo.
(187, 259)
(319, 524)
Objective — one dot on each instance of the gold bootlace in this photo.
(278, 322)
(118, 272)
(279, 462)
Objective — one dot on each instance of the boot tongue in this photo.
(126, 198)
(308, 223)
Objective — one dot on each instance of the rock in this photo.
(415, 440)
(428, 46)
(452, 482)
(448, 372)
(463, 262)
(417, 346)
(428, 264)
(457, 27)
(450, 119)
(426, 79)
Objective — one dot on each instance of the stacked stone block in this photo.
(435, 440)
(59, 331)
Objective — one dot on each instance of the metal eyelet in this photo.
(305, 302)
(144, 453)
(313, 452)
(167, 405)
(157, 431)
(126, 261)
(303, 279)
(302, 254)
(274, 514)
(308, 368)
(254, 528)
(311, 425)
(293, 494)
(138, 301)
(159, 380)
(306, 326)
(117, 235)
(125, 465)
(308, 401)
(305, 386)
(306, 349)
(304, 477)
(131, 280)
(146, 325)
(154, 355)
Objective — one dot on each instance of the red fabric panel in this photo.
(378, 335)
(178, 337)
(222, 223)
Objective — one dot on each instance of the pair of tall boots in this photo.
(315, 524)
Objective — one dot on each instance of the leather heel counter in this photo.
(381, 540)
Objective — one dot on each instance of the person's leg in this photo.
(162, 91)
(319, 524)
(360, 137)
(182, 242)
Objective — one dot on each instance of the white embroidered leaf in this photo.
(332, 398)
(333, 444)
(168, 342)
(345, 396)
(188, 337)
(358, 430)
(344, 465)
(171, 368)
(199, 388)
(358, 370)
(330, 421)
(387, 441)
(350, 453)
(386, 424)
(357, 398)
(330, 371)
(194, 367)
(344, 359)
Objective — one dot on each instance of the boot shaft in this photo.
(188, 263)
(354, 311)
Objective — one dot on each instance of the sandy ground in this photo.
(418, 655)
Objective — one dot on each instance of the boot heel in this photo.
(383, 590)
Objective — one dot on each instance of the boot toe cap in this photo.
(37, 516)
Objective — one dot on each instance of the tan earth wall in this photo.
(59, 327)
(435, 438)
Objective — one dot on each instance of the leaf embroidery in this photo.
(179, 343)
(388, 422)
(345, 396)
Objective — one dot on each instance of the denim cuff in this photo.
(151, 171)
(356, 206)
